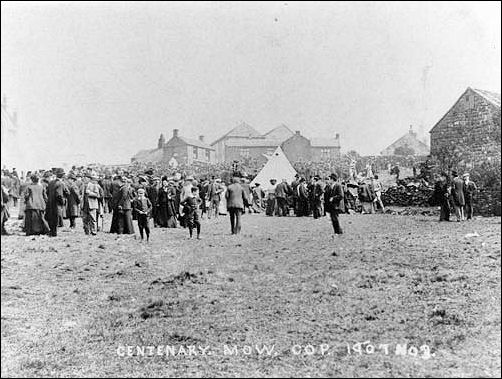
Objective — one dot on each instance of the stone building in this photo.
(242, 132)
(470, 129)
(244, 142)
(407, 145)
(299, 148)
(178, 150)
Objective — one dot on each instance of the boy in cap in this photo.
(142, 207)
(191, 211)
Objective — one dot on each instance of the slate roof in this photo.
(241, 130)
(492, 97)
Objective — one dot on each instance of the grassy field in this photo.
(72, 305)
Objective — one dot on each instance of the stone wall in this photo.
(469, 132)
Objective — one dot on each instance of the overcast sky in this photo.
(103, 80)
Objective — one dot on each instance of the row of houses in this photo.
(471, 126)
(241, 143)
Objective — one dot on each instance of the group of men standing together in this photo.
(455, 193)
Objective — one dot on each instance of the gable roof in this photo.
(411, 140)
(281, 132)
(195, 142)
(242, 130)
(492, 97)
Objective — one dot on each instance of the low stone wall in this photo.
(487, 203)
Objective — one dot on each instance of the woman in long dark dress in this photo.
(166, 206)
(122, 212)
(35, 203)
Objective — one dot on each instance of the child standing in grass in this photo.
(142, 207)
(191, 211)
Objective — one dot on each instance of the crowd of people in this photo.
(46, 198)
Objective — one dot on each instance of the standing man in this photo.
(235, 204)
(271, 201)
(281, 193)
(247, 195)
(73, 210)
(377, 190)
(469, 190)
(334, 200)
(106, 185)
(317, 197)
(55, 202)
(90, 206)
(214, 197)
(457, 194)
(152, 192)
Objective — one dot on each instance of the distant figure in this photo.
(442, 195)
(235, 204)
(469, 190)
(334, 201)
(5, 209)
(377, 189)
(457, 195)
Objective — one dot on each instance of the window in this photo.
(208, 155)
(325, 153)
(244, 153)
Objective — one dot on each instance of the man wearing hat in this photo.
(469, 190)
(55, 201)
(317, 204)
(213, 195)
(457, 195)
(334, 200)
(90, 206)
(73, 200)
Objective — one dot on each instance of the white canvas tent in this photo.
(277, 167)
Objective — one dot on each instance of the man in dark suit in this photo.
(334, 200)
(281, 193)
(235, 204)
(55, 202)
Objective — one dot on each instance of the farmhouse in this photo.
(407, 145)
(178, 150)
(470, 129)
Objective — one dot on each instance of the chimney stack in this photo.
(175, 132)
(201, 138)
(337, 136)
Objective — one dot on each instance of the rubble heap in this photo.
(409, 193)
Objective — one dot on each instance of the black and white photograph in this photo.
(250, 189)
